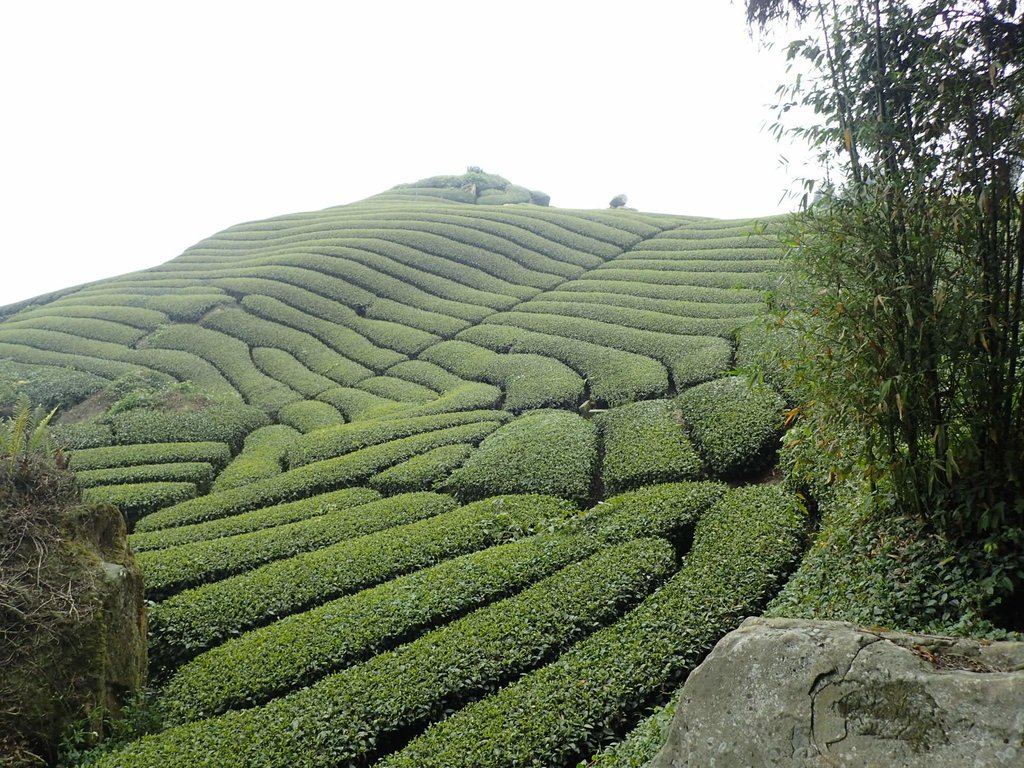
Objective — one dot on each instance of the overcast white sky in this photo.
(131, 130)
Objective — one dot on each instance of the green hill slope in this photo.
(357, 442)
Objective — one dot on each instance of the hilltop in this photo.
(441, 450)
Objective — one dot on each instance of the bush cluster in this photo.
(263, 456)
(645, 443)
(417, 682)
(222, 422)
(199, 618)
(734, 423)
(552, 452)
(345, 438)
(172, 569)
(427, 472)
(569, 708)
(258, 519)
(348, 470)
(215, 453)
(200, 473)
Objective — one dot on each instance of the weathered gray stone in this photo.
(783, 692)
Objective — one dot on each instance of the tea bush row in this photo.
(401, 689)
(199, 473)
(613, 376)
(528, 381)
(263, 456)
(297, 649)
(345, 438)
(258, 519)
(216, 453)
(222, 422)
(426, 374)
(396, 389)
(200, 618)
(310, 415)
(427, 472)
(734, 423)
(348, 470)
(281, 366)
(723, 279)
(550, 452)
(570, 708)
(631, 317)
(138, 317)
(645, 443)
(169, 570)
(593, 281)
(136, 500)
(85, 327)
(691, 309)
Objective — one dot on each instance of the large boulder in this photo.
(783, 692)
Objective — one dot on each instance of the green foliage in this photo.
(200, 618)
(310, 415)
(258, 519)
(871, 566)
(46, 385)
(645, 443)
(551, 452)
(615, 377)
(213, 453)
(734, 423)
(344, 438)
(91, 434)
(262, 457)
(221, 422)
(438, 671)
(397, 389)
(569, 708)
(914, 254)
(187, 308)
(198, 472)
(136, 500)
(640, 746)
(297, 649)
(169, 570)
(528, 381)
(344, 471)
(426, 472)
(427, 374)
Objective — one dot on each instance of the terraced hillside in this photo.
(425, 479)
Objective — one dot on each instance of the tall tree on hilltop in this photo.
(916, 246)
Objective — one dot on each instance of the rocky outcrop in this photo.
(76, 647)
(782, 692)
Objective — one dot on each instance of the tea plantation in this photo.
(442, 477)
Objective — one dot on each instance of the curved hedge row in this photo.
(528, 381)
(199, 473)
(734, 423)
(200, 618)
(641, 319)
(262, 457)
(45, 385)
(231, 357)
(345, 366)
(551, 452)
(690, 358)
(345, 438)
(426, 374)
(146, 319)
(594, 281)
(471, 396)
(136, 500)
(692, 309)
(83, 326)
(310, 415)
(222, 422)
(215, 453)
(426, 472)
(432, 322)
(399, 690)
(397, 389)
(258, 519)
(565, 710)
(283, 367)
(348, 470)
(297, 649)
(645, 443)
(614, 376)
(170, 570)
(357, 405)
